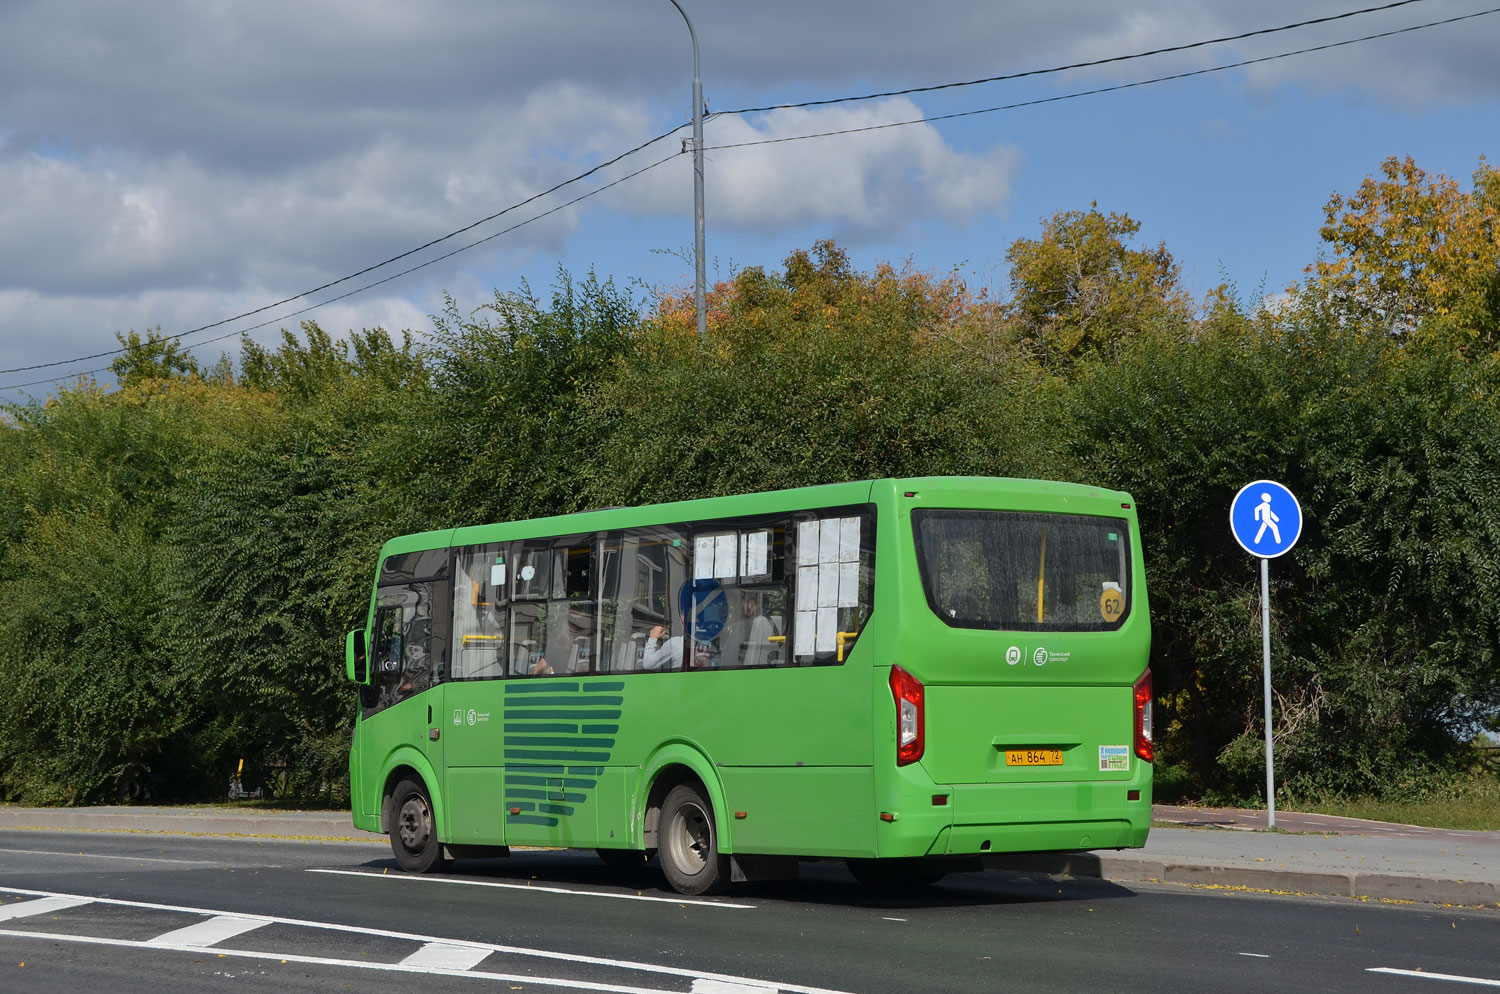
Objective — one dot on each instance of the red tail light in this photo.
(1143, 743)
(907, 693)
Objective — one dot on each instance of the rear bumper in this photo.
(974, 819)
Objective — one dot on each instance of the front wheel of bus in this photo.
(689, 844)
(414, 832)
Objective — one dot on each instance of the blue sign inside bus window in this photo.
(705, 603)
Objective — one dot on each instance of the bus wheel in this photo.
(414, 834)
(688, 844)
(894, 876)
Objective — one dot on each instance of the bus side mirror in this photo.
(356, 660)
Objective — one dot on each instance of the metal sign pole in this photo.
(1266, 521)
(1265, 644)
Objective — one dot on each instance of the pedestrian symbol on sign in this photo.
(1265, 518)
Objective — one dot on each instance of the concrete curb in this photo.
(1327, 883)
(330, 826)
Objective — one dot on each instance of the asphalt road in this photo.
(130, 914)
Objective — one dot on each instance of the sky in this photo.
(176, 164)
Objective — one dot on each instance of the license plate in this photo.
(1033, 757)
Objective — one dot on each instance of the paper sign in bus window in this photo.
(703, 557)
(828, 585)
(807, 588)
(807, 543)
(724, 556)
(848, 584)
(807, 621)
(848, 540)
(755, 555)
(828, 541)
(828, 625)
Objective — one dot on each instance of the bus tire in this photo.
(688, 843)
(414, 837)
(894, 876)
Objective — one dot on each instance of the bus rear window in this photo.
(1024, 572)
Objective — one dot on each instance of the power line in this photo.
(1103, 89)
(810, 103)
(1075, 65)
(367, 286)
(368, 269)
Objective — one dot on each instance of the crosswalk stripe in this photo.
(40, 906)
(443, 956)
(207, 933)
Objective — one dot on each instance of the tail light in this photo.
(907, 693)
(1143, 741)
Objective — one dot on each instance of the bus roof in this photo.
(736, 505)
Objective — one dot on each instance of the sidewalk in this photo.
(1308, 854)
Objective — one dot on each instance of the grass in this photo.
(1468, 801)
(1476, 810)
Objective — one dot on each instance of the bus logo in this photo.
(1040, 657)
(458, 716)
(1013, 655)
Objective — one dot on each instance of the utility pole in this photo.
(699, 295)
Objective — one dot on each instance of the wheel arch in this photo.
(673, 764)
(406, 763)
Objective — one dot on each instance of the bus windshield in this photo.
(1019, 571)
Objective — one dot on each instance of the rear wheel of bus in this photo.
(688, 843)
(413, 829)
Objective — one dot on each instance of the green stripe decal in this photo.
(521, 714)
(552, 729)
(573, 741)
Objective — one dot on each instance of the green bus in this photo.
(905, 674)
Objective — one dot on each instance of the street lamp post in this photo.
(699, 293)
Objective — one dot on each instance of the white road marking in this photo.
(671, 971)
(514, 978)
(207, 933)
(1257, 955)
(42, 906)
(1454, 978)
(893, 919)
(701, 986)
(419, 879)
(94, 855)
(447, 956)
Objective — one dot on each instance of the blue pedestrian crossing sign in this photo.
(1265, 518)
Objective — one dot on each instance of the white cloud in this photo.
(175, 162)
(870, 181)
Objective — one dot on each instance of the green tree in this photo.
(156, 357)
(1417, 255)
(815, 374)
(1385, 616)
(1080, 290)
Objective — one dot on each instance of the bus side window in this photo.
(410, 649)
(834, 583)
(571, 608)
(739, 594)
(480, 597)
(386, 651)
(638, 592)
